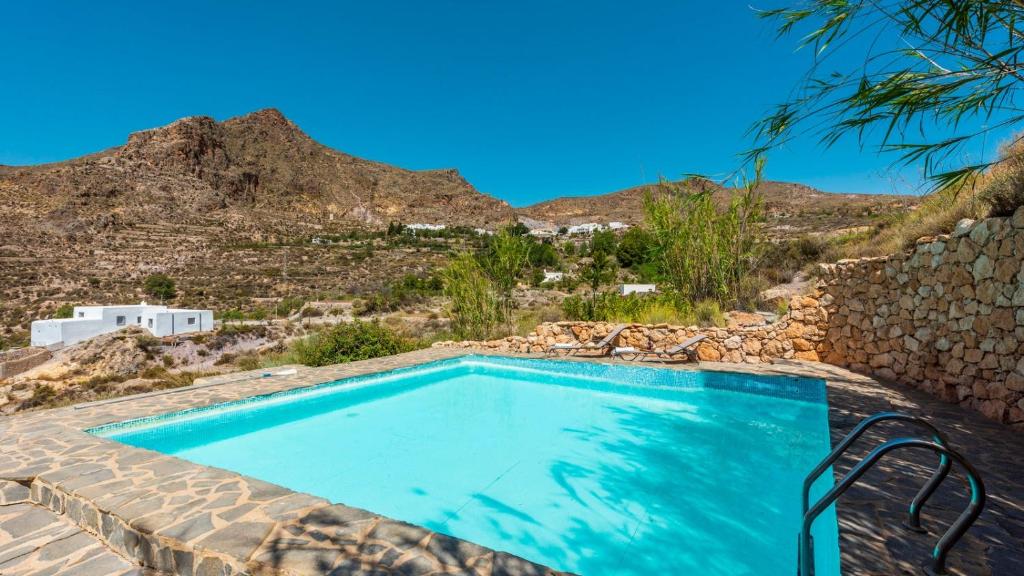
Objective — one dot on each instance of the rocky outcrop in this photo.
(946, 317)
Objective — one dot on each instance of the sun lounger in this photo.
(604, 346)
(687, 347)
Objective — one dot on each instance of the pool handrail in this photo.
(937, 566)
(913, 521)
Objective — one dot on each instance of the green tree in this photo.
(603, 241)
(932, 67)
(634, 248)
(505, 261)
(160, 286)
(518, 229)
(704, 253)
(473, 304)
(596, 273)
(543, 255)
(395, 228)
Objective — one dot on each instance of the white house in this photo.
(417, 227)
(617, 226)
(588, 228)
(553, 276)
(89, 321)
(627, 289)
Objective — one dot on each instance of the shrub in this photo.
(349, 342)
(708, 313)
(65, 310)
(640, 308)
(147, 343)
(248, 362)
(42, 395)
(288, 305)
(473, 304)
(781, 307)
(635, 248)
(1004, 193)
(160, 286)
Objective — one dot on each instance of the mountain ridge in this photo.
(198, 167)
(789, 207)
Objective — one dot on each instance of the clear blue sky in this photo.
(529, 99)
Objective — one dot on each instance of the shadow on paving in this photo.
(872, 538)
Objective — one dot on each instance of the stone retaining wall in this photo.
(798, 335)
(946, 317)
(18, 361)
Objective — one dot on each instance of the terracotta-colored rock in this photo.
(809, 355)
(708, 353)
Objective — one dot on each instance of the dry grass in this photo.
(996, 193)
(938, 214)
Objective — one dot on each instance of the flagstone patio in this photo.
(95, 502)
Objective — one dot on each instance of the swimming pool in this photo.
(590, 468)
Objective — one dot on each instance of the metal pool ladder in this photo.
(937, 444)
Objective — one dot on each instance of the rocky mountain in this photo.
(227, 208)
(790, 209)
(257, 174)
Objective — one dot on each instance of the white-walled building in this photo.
(588, 228)
(90, 321)
(627, 289)
(417, 227)
(551, 276)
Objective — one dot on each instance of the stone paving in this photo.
(165, 514)
(36, 541)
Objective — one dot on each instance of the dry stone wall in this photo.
(946, 317)
(17, 361)
(797, 335)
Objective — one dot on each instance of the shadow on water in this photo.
(711, 490)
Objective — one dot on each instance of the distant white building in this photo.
(543, 233)
(588, 228)
(433, 227)
(553, 276)
(90, 321)
(627, 289)
(617, 225)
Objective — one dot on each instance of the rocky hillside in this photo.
(226, 208)
(257, 174)
(791, 209)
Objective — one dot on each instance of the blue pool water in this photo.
(595, 469)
